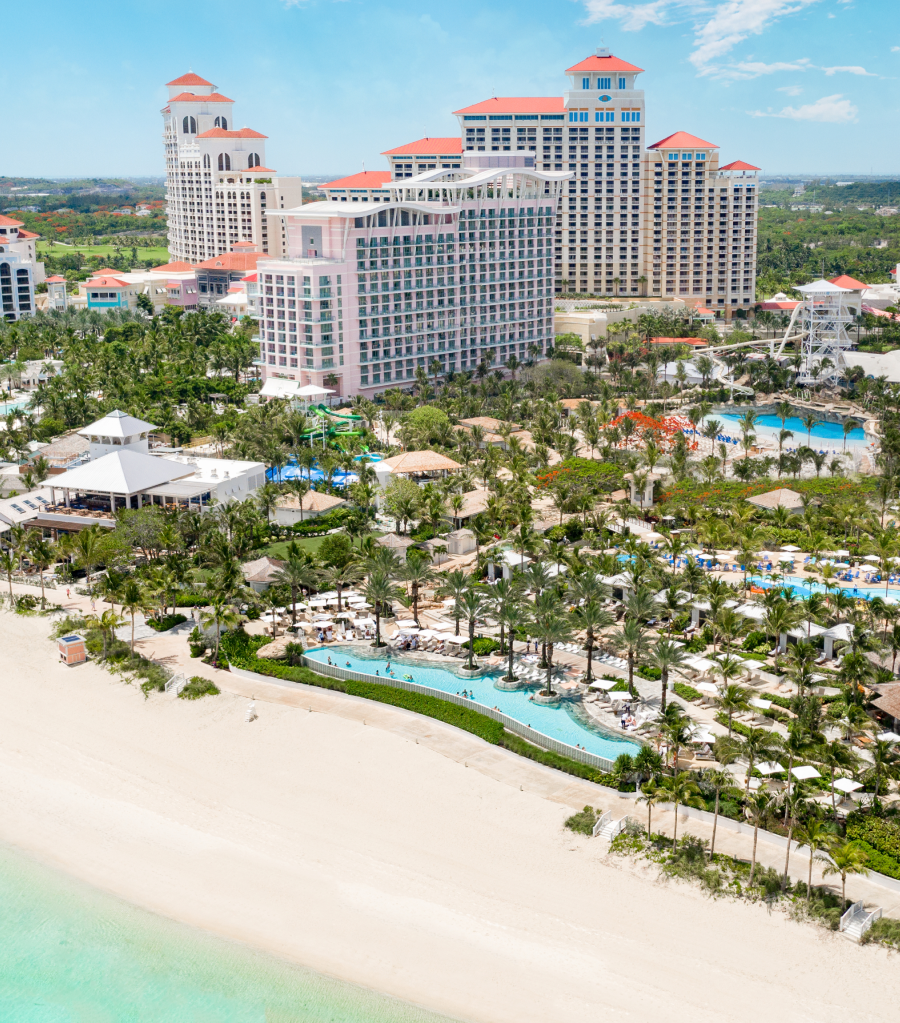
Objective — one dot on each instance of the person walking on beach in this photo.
(251, 710)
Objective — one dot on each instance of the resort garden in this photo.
(626, 569)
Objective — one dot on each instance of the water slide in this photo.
(334, 424)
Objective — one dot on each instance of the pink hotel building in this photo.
(458, 262)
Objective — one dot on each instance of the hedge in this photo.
(882, 835)
(164, 624)
(878, 860)
(687, 692)
(597, 476)
(191, 600)
(483, 645)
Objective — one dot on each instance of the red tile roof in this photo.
(27, 234)
(601, 64)
(190, 97)
(56, 279)
(781, 306)
(179, 266)
(444, 146)
(250, 277)
(9, 222)
(517, 105)
(189, 79)
(108, 271)
(680, 140)
(105, 282)
(221, 133)
(739, 165)
(232, 261)
(365, 179)
(844, 281)
(261, 170)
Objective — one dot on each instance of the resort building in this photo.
(454, 271)
(19, 269)
(218, 187)
(613, 228)
(424, 155)
(367, 186)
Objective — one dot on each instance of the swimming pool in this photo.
(822, 430)
(563, 722)
(805, 587)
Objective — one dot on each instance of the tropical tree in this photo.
(86, 548)
(666, 656)
(298, 571)
(551, 625)
(454, 585)
(885, 764)
(682, 790)
(134, 600)
(720, 781)
(757, 810)
(631, 638)
(42, 555)
(733, 699)
(652, 793)
(219, 614)
(472, 606)
(846, 857)
(417, 572)
(591, 616)
(9, 562)
(380, 592)
(816, 835)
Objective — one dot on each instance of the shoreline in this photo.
(329, 835)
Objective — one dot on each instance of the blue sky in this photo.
(798, 86)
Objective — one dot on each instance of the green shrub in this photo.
(885, 931)
(621, 685)
(555, 533)
(696, 645)
(191, 600)
(880, 838)
(687, 692)
(583, 822)
(648, 671)
(197, 687)
(573, 530)
(600, 477)
(756, 640)
(164, 624)
(483, 645)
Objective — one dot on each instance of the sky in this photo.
(794, 86)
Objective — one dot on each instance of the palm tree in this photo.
(757, 809)
(733, 698)
(682, 790)
(42, 556)
(507, 611)
(551, 625)
(220, 614)
(631, 637)
(107, 623)
(809, 421)
(720, 781)
(885, 764)
(9, 562)
(133, 601)
(87, 548)
(652, 794)
(836, 755)
(472, 606)
(454, 585)
(756, 746)
(665, 656)
(380, 592)
(816, 835)
(846, 858)
(297, 571)
(675, 729)
(417, 572)
(591, 617)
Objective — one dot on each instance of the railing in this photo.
(539, 739)
(176, 683)
(858, 920)
(606, 827)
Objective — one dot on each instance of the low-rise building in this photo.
(19, 269)
(367, 186)
(291, 509)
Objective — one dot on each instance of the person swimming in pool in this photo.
(408, 678)
(349, 665)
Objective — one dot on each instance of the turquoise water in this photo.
(824, 431)
(560, 722)
(71, 954)
(804, 587)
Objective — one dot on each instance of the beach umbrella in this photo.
(847, 785)
(790, 547)
(770, 767)
(707, 687)
(889, 737)
(870, 557)
(323, 625)
(805, 772)
(703, 735)
(761, 704)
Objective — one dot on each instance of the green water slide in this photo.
(334, 424)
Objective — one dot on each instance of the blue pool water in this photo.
(804, 587)
(824, 431)
(560, 723)
(72, 954)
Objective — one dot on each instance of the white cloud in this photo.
(829, 109)
(747, 69)
(850, 70)
(895, 49)
(733, 22)
(632, 16)
(790, 90)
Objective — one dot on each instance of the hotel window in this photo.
(621, 83)
(585, 83)
(604, 83)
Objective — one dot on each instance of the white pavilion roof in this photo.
(121, 472)
(116, 424)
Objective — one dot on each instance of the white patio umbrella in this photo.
(707, 687)
(724, 557)
(703, 735)
(847, 785)
(840, 554)
(790, 547)
(761, 704)
(770, 767)
(871, 557)
(786, 559)
(324, 625)
(805, 772)
(889, 737)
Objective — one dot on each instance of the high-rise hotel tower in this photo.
(662, 222)
(218, 188)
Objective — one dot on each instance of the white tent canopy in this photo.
(805, 772)
(847, 785)
(770, 767)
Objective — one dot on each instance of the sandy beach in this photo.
(387, 850)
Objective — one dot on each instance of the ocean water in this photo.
(72, 954)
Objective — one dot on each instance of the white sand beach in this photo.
(334, 838)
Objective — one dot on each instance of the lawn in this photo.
(309, 543)
(158, 254)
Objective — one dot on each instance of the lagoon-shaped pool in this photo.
(566, 722)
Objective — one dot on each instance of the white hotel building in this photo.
(218, 187)
(455, 269)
